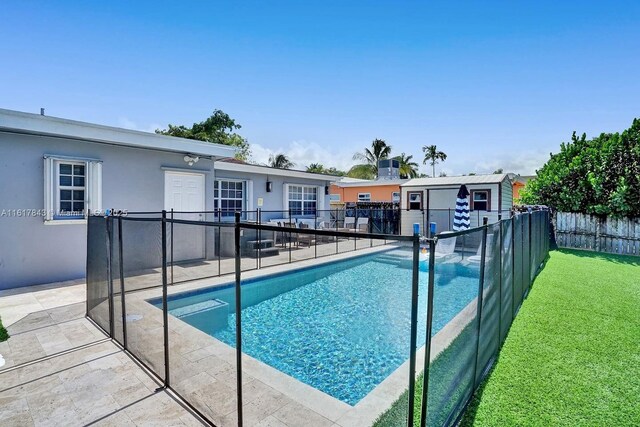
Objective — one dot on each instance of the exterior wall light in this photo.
(191, 160)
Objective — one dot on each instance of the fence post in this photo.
(500, 282)
(238, 317)
(337, 246)
(513, 266)
(414, 324)
(290, 235)
(219, 214)
(259, 232)
(172, 238)
(427, 345)
(483, 256)
(165, 308)
(110, 274)
(315, 236)
(124, 306)
(598, 232)
(530, 278)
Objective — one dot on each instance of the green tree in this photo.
(333, 171)
(319, 168)
(598, 176)
(498, 171)
(280, 161)
(408, 168)
(316, 168)
(433, 156)
(363, 171)
(379, 150)
(219, 128)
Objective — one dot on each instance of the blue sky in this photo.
(491, 83)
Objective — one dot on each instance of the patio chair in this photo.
(477, 258)
(361, 226)
(307, 239)
(445, 247)
(290, 236)
(349, 222)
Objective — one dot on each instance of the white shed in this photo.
(425, 200)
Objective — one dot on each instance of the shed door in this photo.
(184, 192)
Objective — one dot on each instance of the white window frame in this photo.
(306, 189)
(364, 197)
(395, 196)
(334, 197)
(245, 195)
(92, 189)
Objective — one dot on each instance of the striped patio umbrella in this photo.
(461, 219)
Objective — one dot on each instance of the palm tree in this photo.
(379, 150)
(280, 161)
(408, 168)
(316, 168)
(432, 156)
(361, 172)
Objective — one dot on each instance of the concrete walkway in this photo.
(62, 370)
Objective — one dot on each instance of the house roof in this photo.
(456, 180)
(370, 182)
(234, 165)
(36, 124)
(523, 179)
(349, 179)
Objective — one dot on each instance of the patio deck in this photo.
(61, 368)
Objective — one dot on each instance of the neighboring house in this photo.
(519, 182)
(54, 171)
(366, 191)
(425, 200)
(385, 188)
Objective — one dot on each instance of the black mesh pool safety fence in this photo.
(361, 325)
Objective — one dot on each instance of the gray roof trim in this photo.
(36, 124)
(267, 170)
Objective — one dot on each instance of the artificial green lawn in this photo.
(4, 335)
(572, 356)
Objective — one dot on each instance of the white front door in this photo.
(184, 192)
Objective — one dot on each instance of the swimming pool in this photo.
(341, 327)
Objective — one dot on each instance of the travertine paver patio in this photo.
(62, 370)
(60, 367)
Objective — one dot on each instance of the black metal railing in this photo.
(132, 262)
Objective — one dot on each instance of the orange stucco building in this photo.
(366, 191)
(519, 181)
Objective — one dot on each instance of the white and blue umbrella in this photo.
(461, 219)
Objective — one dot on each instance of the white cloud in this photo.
(524, 163)
(304, 153)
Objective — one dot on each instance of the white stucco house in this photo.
(425, 200)
(54, 171)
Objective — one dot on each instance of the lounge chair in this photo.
(304, 238)
(477, 258)
(445, 248)
(349, 223)
(361, 226)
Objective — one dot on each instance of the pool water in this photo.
(341, 327)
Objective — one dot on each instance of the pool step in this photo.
(208, 316)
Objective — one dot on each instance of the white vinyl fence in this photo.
(583, 231)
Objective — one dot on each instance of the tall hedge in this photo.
(598, 176)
